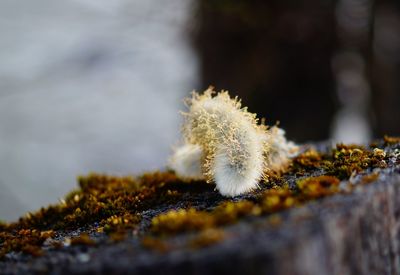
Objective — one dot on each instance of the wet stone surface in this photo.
(318, 218)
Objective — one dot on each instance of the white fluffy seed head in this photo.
(224, 143)
(280, 151)
(231, 138)
(238, 170)
(186, 161)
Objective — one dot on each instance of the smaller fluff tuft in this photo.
(186, 161)
(280, 150)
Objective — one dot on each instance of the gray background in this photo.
(91, 85)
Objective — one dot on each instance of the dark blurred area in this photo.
(323, 69)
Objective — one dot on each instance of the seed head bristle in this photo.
(235, 144)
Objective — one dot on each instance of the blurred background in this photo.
(96, 85)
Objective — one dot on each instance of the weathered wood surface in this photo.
(357, 233)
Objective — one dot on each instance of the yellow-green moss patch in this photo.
(117, 206)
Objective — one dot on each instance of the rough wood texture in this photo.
(356, 233)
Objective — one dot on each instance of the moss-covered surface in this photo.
(155, 208)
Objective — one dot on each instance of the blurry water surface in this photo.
(89, 85)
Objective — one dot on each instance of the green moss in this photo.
(308, 160)
(316, 187)
(207, 237)
(122, 223)
(156, 244)
(83, 239)
(115, 204)
(391, 140)
(274, 200)
(175, 221)
(231, 212)
(25, 240)
(341, 162)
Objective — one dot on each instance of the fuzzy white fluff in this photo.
(186, 161)
(235, 176)
(280, 150)
(225, 144)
